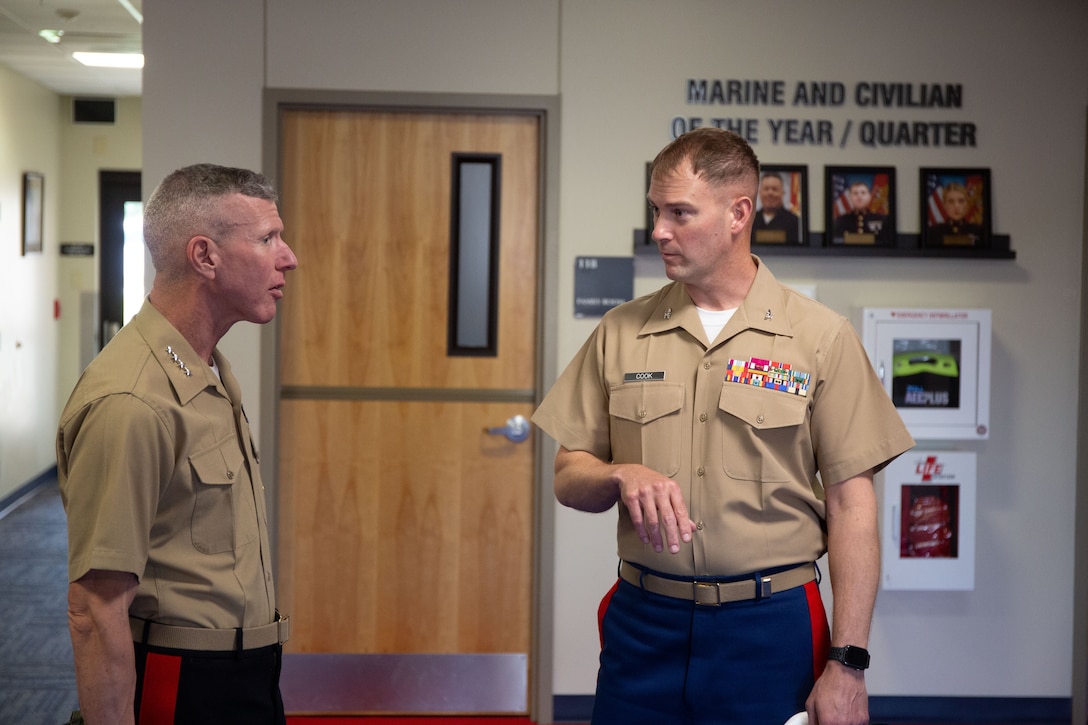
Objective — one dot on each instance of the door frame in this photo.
(546, 108)
(115, 187)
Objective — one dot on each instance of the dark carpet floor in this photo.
(37, 680)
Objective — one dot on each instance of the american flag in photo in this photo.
(934, 201)
(841, 194)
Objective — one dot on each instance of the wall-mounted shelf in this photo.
(906, 245)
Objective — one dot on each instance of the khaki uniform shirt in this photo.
(159, 477)
(648, 388)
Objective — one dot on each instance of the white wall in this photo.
(620, 68)
(29, 141)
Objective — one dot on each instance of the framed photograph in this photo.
(860, 205)
(781, 206)
(955, 208)
(33, 211)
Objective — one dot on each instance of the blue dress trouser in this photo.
(184, 687)
(666, 660)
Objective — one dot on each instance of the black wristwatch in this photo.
(855, 657)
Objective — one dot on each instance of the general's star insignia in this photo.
(177, 361)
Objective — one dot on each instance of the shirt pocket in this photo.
(224, 515)
(761, 431)
(646, 425)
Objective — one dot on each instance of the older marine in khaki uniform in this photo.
(207, 563)
(171, 603)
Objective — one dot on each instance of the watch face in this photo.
(856, 657)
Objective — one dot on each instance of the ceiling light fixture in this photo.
(110, 60)
(136, 14)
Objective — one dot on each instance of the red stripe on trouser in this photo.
(602, 608)
(160, 692)
(821, 636)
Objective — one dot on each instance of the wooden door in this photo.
(405, 527)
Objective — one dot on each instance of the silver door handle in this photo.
(516, 429)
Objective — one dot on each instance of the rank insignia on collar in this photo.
(769, 315)
(177, 361)
(770, 374)
(668, 313)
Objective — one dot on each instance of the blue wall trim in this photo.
(15, 496)
(572, 708)
(1036, 710)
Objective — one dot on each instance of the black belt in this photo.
(713, 593)
(209, 640)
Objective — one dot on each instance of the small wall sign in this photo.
(601, 283)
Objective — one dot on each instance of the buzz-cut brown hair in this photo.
(721, 157)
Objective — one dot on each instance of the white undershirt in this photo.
(714, 320)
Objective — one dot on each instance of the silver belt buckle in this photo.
(764, 588)
(706, 594)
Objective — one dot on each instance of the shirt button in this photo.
(706, 365)
(759, 419)
(699, 526)
(642, 414)
(230, 475)
(702, 418)
(701, 471)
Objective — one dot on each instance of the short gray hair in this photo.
(183, 206)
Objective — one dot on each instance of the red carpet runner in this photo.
(435, 720)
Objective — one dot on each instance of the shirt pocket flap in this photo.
(645, 402)
(763, 409)
(218, 466)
